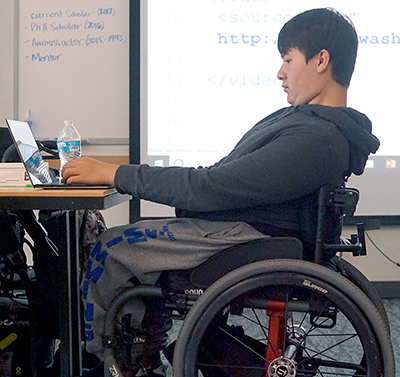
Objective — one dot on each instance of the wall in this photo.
(374, 265)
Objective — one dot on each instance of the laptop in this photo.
(22, 136)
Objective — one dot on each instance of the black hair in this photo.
(318, 29)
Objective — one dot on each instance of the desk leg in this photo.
(70, 317)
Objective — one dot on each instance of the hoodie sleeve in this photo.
(296, 162)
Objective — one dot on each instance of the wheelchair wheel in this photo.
(283, 318)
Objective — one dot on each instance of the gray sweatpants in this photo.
(143, 250)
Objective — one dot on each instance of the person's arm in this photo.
(292, 165)
(89, 170)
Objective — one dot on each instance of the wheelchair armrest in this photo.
(239, 255)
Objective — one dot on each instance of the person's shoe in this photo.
(160, 371)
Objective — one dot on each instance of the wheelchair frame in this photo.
(230, 287)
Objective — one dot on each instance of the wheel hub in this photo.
(282, 367)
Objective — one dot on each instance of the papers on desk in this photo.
(13, 174)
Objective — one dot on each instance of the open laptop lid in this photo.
(22, 136)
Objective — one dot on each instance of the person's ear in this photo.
(324, 58)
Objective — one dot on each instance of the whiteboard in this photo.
(74, 64)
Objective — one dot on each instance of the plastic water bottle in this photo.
(68, 144)
(34, 162)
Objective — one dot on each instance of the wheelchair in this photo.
(260, 309)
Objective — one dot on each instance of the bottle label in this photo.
(69, 146)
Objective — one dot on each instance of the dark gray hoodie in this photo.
(271, 178)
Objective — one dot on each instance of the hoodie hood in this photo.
(355, 127)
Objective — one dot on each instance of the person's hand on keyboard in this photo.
(90, 171)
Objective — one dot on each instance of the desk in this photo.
(25, 198)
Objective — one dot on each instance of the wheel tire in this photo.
(358, 278)
(294, 279)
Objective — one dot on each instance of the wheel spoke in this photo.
(323, 333)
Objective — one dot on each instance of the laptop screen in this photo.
(26, 146)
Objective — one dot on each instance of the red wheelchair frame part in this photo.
(276, 331)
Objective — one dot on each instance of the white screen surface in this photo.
(211, 75)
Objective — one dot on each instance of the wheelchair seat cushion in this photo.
(194, 281)
(239, 255)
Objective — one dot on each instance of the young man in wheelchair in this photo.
(267, 185)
